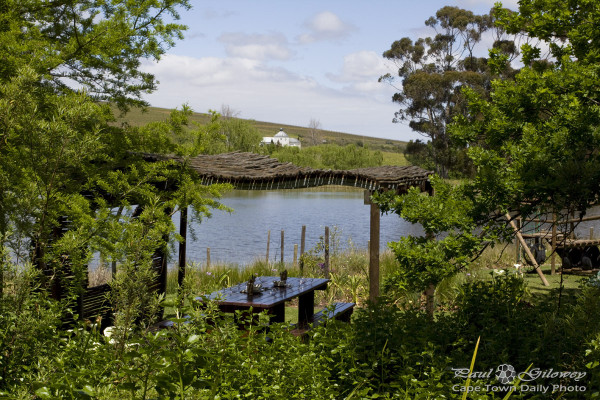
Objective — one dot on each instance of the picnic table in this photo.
(272, 299)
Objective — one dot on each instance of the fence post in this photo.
(295, 255)
(207, 257)
(302, 243)
(268, 243)
(282, 234)
(327, 251)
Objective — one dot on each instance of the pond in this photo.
(241, 237)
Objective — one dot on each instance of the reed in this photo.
(348, 274)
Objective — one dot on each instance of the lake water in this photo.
(241, 237)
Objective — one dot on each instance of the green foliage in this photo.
(386, 352)
(241, 135)
(423, 261)
(99, 46)
(63, 161)
(533, 141)
(29, 323)
(329, 156)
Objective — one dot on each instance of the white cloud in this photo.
(271, 94)
(325, 26)
(512, 4)
(214, 71)
(256, 46)
(361, 66)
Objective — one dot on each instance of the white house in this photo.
(282, 139)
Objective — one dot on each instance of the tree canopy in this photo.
(63, 159)
(433, 72)
(533, 141)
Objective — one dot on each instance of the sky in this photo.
(291, 62)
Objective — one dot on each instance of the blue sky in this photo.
(292, 61)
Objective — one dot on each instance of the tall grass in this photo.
(349, 274)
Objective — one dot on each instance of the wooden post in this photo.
(374, 253)
(183, 217)
(282, 235)
(554, 233)
(517, 243)
(591, 233)
(527, 251)
(207, 257)
(268, 243)
(302, 243)
(327, 251)
(295, 255)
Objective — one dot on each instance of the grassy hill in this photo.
(392, 149)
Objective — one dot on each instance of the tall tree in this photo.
(61, 155)
(433, 71)
(314, 130)
(535, 141)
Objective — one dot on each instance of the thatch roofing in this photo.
(257, 172)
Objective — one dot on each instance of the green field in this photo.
(137, 117)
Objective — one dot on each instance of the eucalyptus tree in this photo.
(432, 73)
(533, 141)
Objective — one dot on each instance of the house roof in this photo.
(258, 172)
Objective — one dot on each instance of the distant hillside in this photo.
(137, 117)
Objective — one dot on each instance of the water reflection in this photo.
(241, 237)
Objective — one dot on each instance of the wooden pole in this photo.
(295, 254)
(302, 240)
(327, 251)
(591, 233)
(517, 243)
(554, 233)
(207, 257)
(302, 243)
(282, 235)
(183, 217)
(374, 254)
(268, 243)
(527, 251)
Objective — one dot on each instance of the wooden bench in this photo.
(338, 311)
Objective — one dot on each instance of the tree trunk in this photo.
(430, 300)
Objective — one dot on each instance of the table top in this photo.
(271, 296)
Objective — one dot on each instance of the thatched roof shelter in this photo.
(257, 172)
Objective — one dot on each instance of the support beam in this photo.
(183, 220)
(527, 251)
(373, 249)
